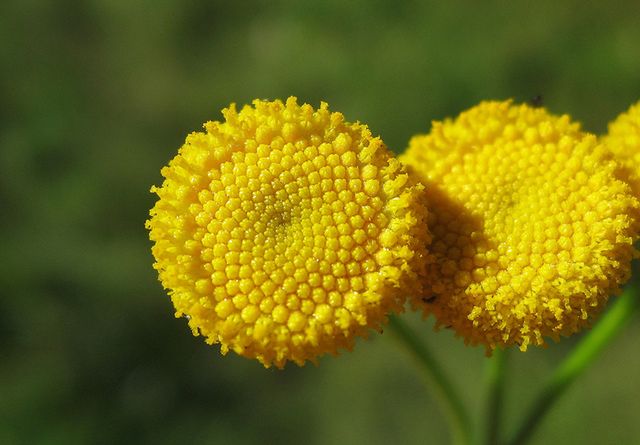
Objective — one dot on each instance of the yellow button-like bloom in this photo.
(623, 140)
(532, 227)
(284, 232)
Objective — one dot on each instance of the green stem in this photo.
(580, 358)
(437, 380)
(494, 381)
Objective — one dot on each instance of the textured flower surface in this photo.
(623, 139)
(284, 232)
(532, 227)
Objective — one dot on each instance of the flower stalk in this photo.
(436, 379)
(495, 386)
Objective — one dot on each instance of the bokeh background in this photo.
(96, 96)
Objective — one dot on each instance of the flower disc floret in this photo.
(623, 139)
(532, 226)
(284, 232)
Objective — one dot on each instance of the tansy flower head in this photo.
(623, 139)
(284, 232)
(532, 228)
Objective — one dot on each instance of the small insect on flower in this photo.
(284, 232)
(532, 224)
(536, 101)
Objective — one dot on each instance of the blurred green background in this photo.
(96, 96)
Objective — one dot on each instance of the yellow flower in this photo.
(284, 232)
(532, 227)
(623, 139)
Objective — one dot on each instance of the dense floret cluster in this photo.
(532, 226)
(623, 139)
(284, 232)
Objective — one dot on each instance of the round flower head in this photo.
(532, 228)
(623, 139)
(284, 232)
